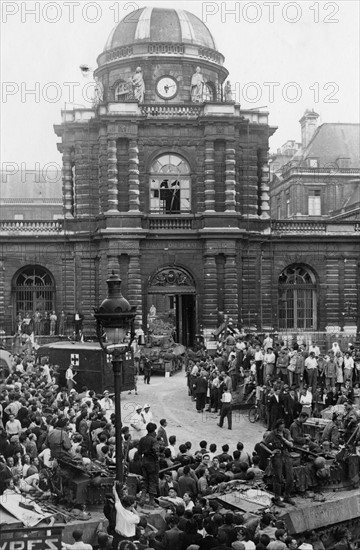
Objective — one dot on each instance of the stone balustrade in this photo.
(170, 111)
(330, 170)
(290, 226)
(170, 223)
(32, 227)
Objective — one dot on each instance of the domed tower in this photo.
(165, 177)
(168, 45)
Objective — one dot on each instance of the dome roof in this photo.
(160, 25)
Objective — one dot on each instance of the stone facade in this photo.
(218, 250)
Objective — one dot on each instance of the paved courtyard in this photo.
(168, 398)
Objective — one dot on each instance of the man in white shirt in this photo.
(69, 376)
(13, 426)
(147, 414)
(107, 404)
(267, 343)
(78, 544)
(126, 519)
(226, 409)
(137, 424)
(311, 369)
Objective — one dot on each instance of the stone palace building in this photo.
(166, 180)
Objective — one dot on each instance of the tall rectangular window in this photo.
(314, 203)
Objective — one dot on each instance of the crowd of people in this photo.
(282, 380)
(49, 323)
(41, 422)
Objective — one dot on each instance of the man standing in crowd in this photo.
(226, 409)
(280, 463)
(69, 376)
(149, 451)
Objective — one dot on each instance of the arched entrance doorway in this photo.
(171, 298)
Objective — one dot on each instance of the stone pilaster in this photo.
(134, 183)
(209, 177)
(230, 182)
(265, 197)
(103, 170)
(135, 287)
(112, 179)
(231, 295)
(210, 302)
(82, 179)
(68, 189)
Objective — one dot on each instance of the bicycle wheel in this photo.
(253, 414)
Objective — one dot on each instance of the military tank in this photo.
(159, 347)
(327, 499)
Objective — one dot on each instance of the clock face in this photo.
(167, 87)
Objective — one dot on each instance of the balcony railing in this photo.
(171, 223)
(289, 226)
(32, 227)
(170, 111)
(330, 170)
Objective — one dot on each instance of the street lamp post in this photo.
(114, 318)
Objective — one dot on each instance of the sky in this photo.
(282, 56)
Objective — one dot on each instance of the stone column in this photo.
(231, 294)
(209, 177)
(68, 190)
(265, 198)
(210, 301)
(135, 287)
(134, 183)
(112, 179)
(230, 182)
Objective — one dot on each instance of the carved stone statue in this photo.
(228, 92)
(98, 96)
(138, 85)
(197, 86)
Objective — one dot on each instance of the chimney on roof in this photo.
(309, 123)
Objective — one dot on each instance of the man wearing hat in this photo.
(107, 404)
(147, 414)
(149, 450)
(137, 424)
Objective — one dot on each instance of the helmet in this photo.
(319, 462)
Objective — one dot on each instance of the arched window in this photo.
(298, 299)
(34, 289)
(169, 185)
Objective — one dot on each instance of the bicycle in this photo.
(257, 412)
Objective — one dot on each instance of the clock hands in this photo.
(168, 86)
